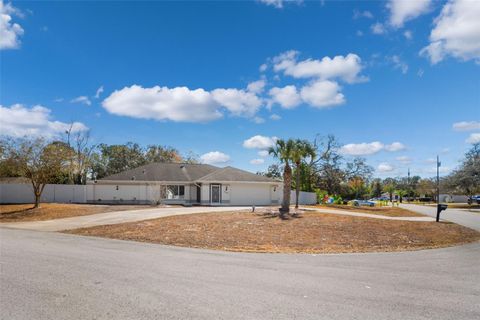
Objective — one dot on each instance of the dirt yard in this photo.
(48, 211)
(388, 211)
(310, 233)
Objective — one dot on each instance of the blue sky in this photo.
(397, 82)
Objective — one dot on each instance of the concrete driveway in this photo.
(113, 218)
(47, 275)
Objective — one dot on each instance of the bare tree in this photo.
(80, 154)
(38, 160)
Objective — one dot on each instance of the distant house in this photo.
(187, 184)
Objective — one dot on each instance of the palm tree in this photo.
(283, 151)
(401, 193)
(301, 150)
(390, 188)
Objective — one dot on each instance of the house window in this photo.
(175, 192)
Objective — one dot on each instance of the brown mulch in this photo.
(309, 233)
(388, 211)
(48, 211)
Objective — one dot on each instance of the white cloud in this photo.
(346, 68)
(404, 10)
(162, 103)
(181, 104)
(433, 170)
(357, 14)
(274, 3)
(395, 146)
(99, 92)
(399, 64)
(473, 138)
(275, 117)
(258, 120)
(238, 102)
(408, 34)
(404, 159)
(359, 33)
(385, 167)
(362, 149)
(263, 67)
(257, 161)
(263, 153)
(256, 86)
(287, 97)
(322, 94)
(82, 99)
(431, 160)
(279, 3)
(214, 157)
(456, 32)
(259, 142)
(378, 28)
(18, 121)
(466, 125)
(9, 31)
(369, 148)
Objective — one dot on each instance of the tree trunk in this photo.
(37, 200)
(297, 185)
(287, 187)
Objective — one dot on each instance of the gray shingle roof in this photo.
(234, 174)
(181, 172)
(164, 172)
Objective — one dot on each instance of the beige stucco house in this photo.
(187, 184)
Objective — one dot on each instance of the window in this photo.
(175, 192)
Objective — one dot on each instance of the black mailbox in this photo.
(440, 208)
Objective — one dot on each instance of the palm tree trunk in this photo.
(287, 187)
(297, 185)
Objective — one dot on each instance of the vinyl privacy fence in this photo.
(65, 193)
(60, 193)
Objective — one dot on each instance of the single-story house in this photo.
(187, 184)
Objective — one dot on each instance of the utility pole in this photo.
(438, 181)
(440, 207)
(409, 187)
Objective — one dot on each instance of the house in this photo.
(186, 184)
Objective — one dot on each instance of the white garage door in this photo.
(250, 194)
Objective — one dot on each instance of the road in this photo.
(47, 275)
(463, 217)
(114, 218)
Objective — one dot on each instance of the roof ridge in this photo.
(211, 173)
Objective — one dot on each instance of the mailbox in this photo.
(440, 208)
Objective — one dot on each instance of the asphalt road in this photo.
(114, 218)
(463, 217)
(48, 275)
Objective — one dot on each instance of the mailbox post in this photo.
(440, 208)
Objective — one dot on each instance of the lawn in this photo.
(48, 211)
(388, 211)
(311, 232)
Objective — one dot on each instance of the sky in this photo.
(397, 82)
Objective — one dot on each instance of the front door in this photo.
(199, 194)
(215, 194)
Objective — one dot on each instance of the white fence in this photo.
(304, 197)
(66, 193)
(61, 193)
